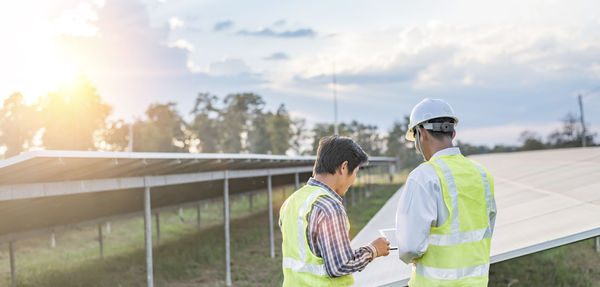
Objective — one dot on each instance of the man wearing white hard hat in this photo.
(446, 213)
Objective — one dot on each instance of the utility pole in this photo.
(582, 122)
(335, 111)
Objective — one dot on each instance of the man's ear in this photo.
(344, 168)
(423, 133)
(453, 134)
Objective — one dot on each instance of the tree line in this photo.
(569, 135)
(75, 117)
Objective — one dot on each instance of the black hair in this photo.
(335, 150)
(440, 135)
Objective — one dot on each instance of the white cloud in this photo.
(183, 44)
(175, 23)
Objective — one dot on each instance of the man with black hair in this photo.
(446, 213)
(314, 225)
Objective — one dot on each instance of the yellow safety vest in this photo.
(301, 267)
(458, 252)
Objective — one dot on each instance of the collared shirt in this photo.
(421, 205)
(327, 232)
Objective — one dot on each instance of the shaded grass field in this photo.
(194, 256)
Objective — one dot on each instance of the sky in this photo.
(505, 66)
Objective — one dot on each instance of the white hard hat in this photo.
(426, 110)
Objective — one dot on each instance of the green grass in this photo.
(576, 264)
(187, 255)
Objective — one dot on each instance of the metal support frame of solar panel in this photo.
(47, 174)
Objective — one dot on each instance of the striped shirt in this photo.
(328, 236)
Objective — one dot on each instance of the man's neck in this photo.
(327, 180)
(438, 146)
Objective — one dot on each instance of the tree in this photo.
(570, 134)
(395, 140)
(237, 114)
(72, 116)
(205, 125)
(531, 141)
(366, 136)
(163, 131)
(298, 136)
(279, 131)
(116, 135)
(399, 147)
(18, 124)
(320, 130)
(259, 137)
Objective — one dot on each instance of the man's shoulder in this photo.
(422, 172)
(328, 204)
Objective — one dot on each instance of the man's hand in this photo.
(382, 246)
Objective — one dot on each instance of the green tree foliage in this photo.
(531, 141)
(397, 146)
(320, 130)
(570, 134)
(299, 136)
(72, 116)
(205, 124)
(239, 111)
(163, 131)
(279, 130)
(259, 138)
(116, 135)
(18, 124)
(367, 136)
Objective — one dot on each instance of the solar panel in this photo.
(545, 199)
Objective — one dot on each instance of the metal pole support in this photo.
(227, 243)
(148, 234)
(598, 244)
(13, 271)
(270, 204)
(198, 213)
(251, 201)
(100, 241)
(157, 228)
(297, 179)
(53, 240)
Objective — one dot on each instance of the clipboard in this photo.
(390, 235)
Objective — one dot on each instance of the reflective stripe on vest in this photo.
(300, 266)
(457, 237)
(452, 274)
(301, 235)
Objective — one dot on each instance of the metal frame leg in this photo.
(198, 214)
(226, 224)
(157, 228)
(270, 204)
(13, 270)
(100, 241)
(148, 236)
